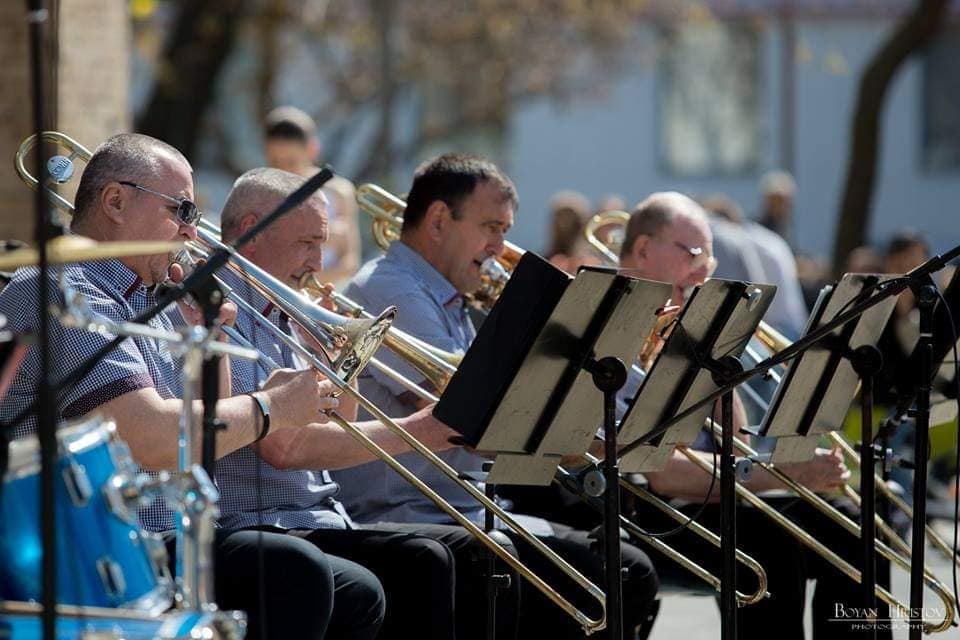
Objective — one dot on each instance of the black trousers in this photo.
(789, 564)
(301, 591)
(537, 616)
(428, 591)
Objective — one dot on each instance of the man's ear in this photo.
(313, 150)
(247, 222)
(436, 219)
(113, 201)
(639, 250)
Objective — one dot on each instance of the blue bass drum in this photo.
(103, 557)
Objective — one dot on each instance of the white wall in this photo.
(607, 144)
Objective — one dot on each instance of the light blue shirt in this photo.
(431, 309)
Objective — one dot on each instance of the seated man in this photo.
(459, 209)
(282, 483)
(668, 239)
(138, 188)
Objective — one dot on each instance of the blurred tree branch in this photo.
(910, 36)
(202, 38)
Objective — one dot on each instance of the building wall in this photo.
(15, 117)
(607, 144)
(92, 77)
(94, 69)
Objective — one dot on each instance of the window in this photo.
(941, 103)
(709, 99)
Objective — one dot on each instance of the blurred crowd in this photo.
(755, 248)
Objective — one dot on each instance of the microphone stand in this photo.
(37, 16)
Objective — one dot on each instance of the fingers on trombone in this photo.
(326, 401)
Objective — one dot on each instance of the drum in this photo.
(21, 621)
(103, 557)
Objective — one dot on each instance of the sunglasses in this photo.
(187, 211)
(699, 257)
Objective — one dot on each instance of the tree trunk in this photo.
(383, 157)
(202, 39)
(914, 33)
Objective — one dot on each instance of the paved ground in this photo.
(697, 618)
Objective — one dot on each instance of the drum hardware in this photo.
(189, 492)
(107, 560)
(78, 484)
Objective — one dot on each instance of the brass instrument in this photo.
(387, 210)
(810, 541)
(60, 168)
(608, 248)
(437, 366)
(348, 343)
(280, 294)
(776, 342)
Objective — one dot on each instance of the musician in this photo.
(668, 238)
(459, 209)
(139, 188)
(283, 484)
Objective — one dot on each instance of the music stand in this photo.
(700, 355)
(535, 400)
(816, 392)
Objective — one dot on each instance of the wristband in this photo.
(265, 413)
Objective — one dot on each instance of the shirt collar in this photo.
(120, 277)
(439, 288)
(249, 293)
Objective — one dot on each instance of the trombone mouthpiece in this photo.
(492, 269)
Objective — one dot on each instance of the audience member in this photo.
(568, 249)
(291, 144)
(757, 254)
(777, 189)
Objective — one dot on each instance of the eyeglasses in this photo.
(699, 257)
(187, 211)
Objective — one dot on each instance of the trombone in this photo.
(292, 302)
(437, 366)
(775, 341)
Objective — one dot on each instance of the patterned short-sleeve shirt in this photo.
(115, 293)
(288, 499)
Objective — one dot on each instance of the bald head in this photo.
(293, 245)
(256, 193)
(656, 212)
(668, 239)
